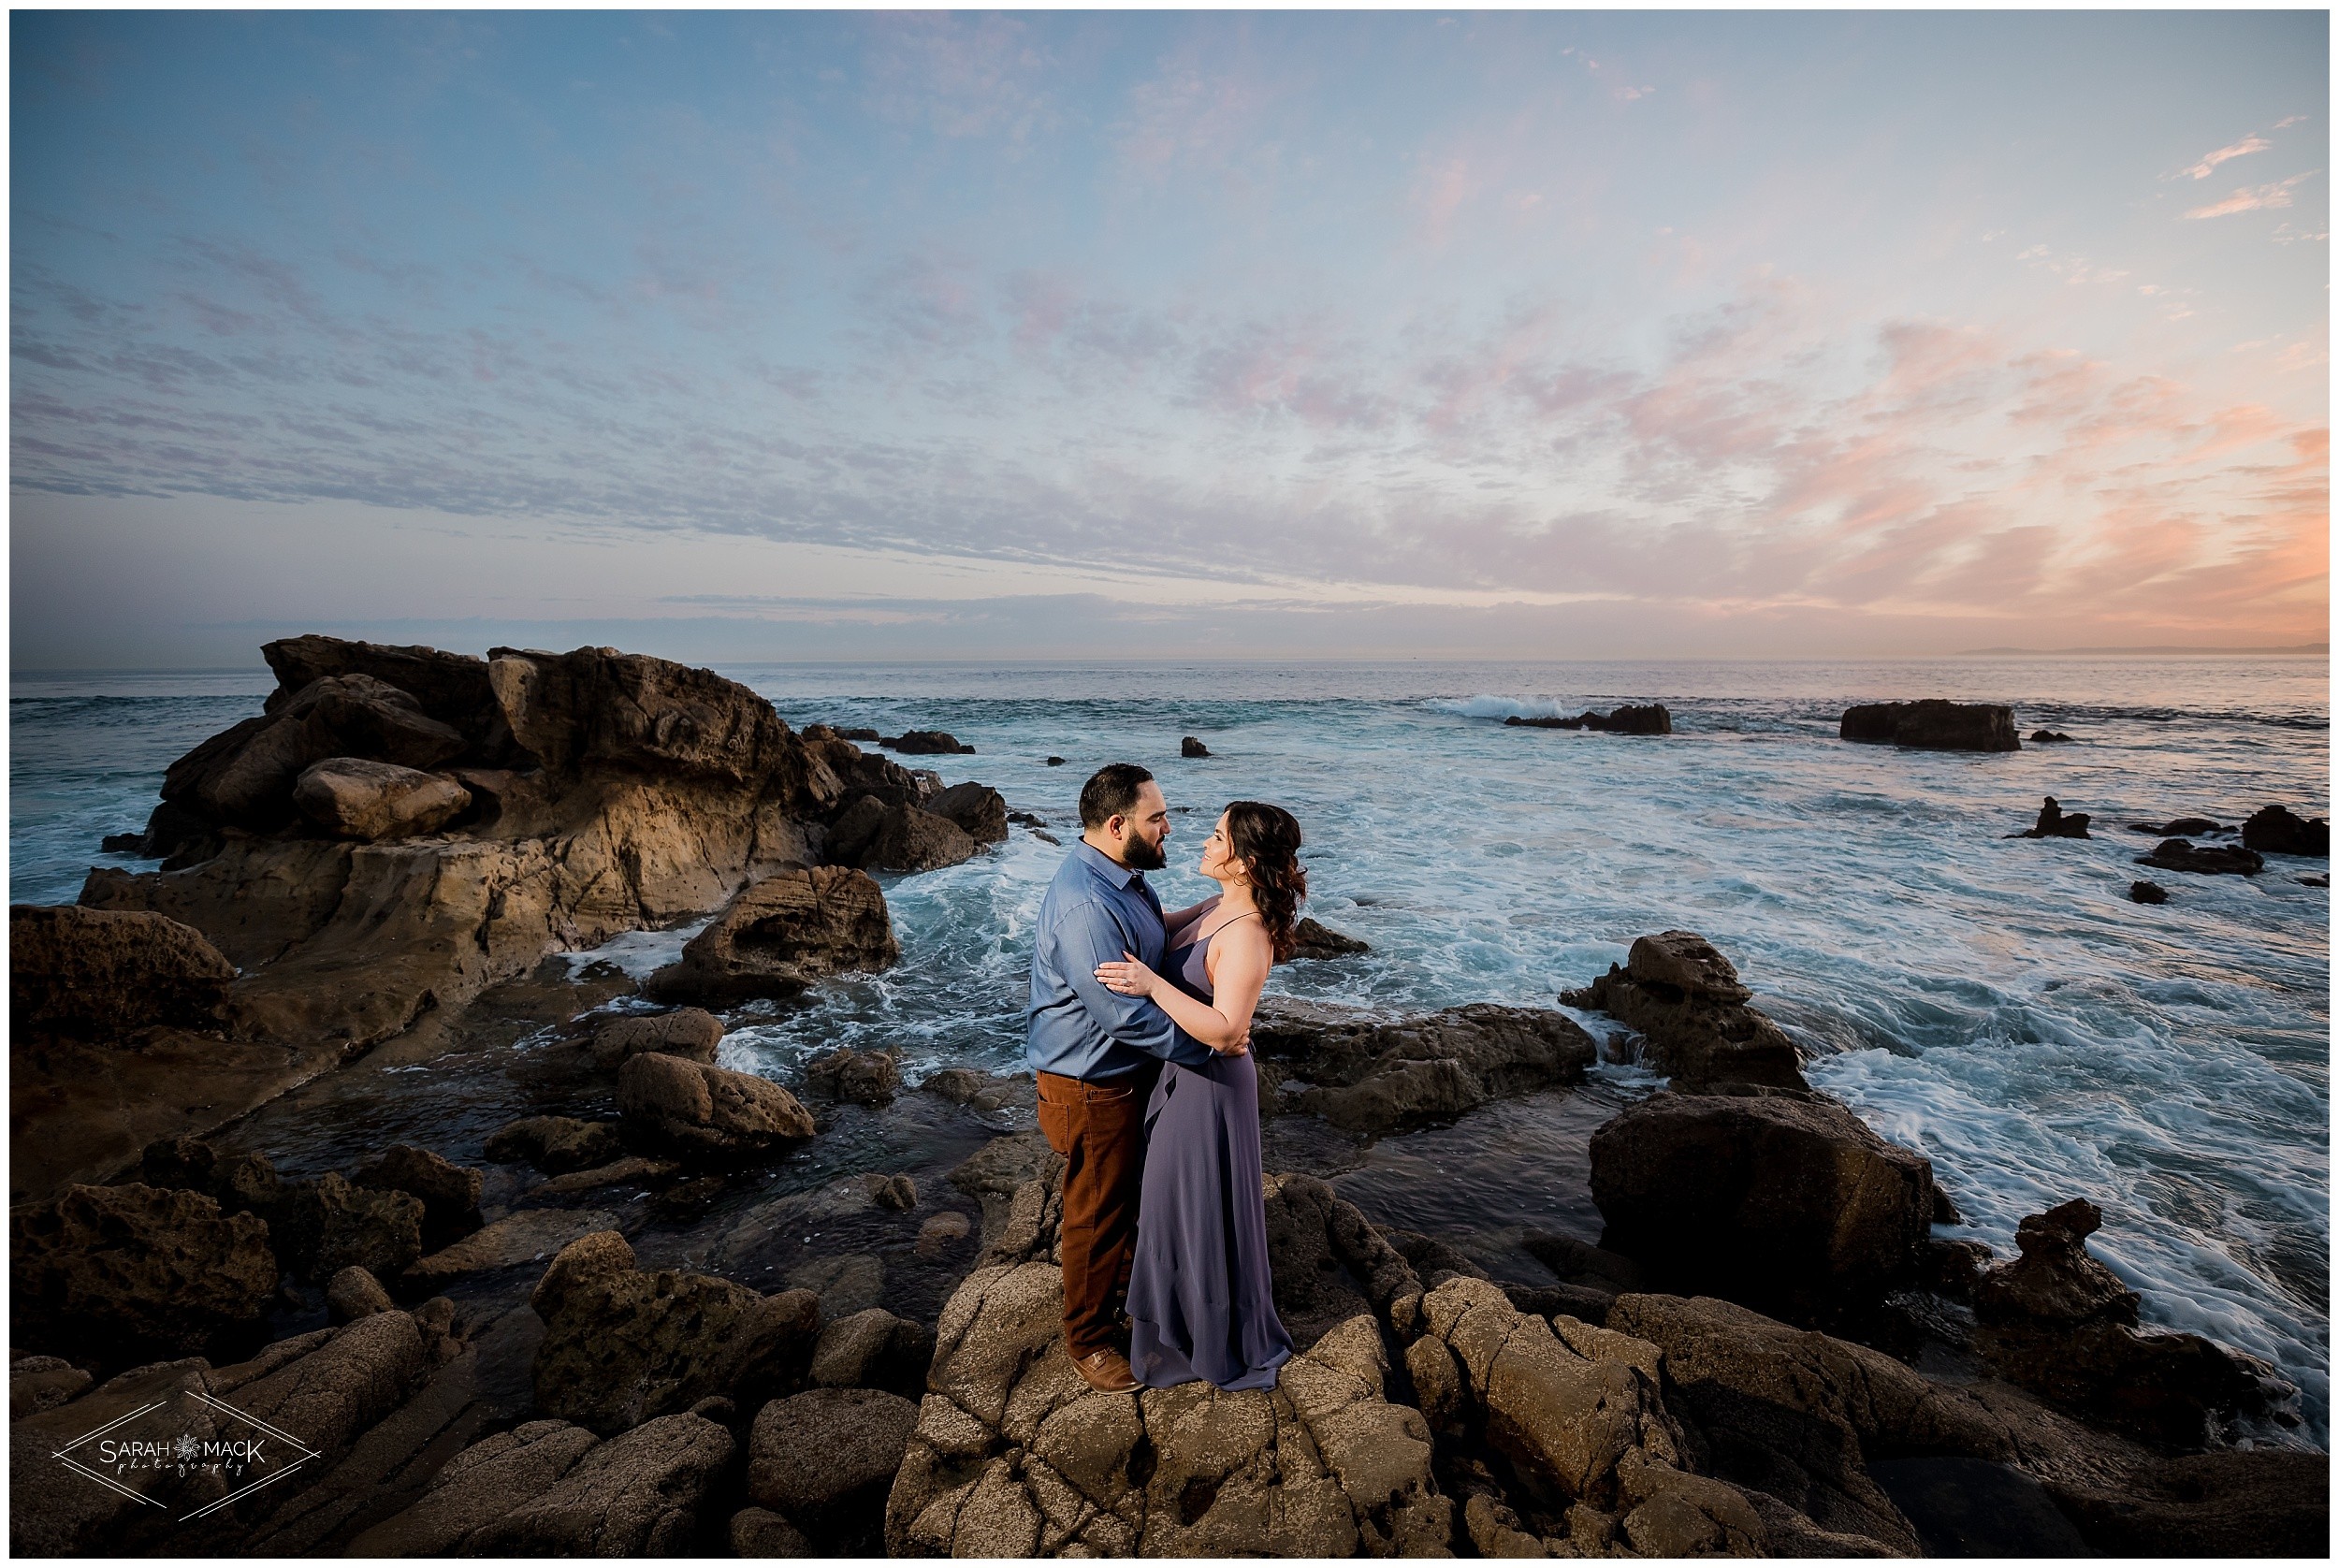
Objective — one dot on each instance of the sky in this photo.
(738, 335)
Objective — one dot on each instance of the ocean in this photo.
(1998, 1003)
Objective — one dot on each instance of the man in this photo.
(1096, 1053)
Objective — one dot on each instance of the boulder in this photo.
(861, 1077)
(1652, 718)
(2206, 860)
(450, 1192)
(100, 973)
(1684, 1000)
(825, 1460)
(1933, 725)
(2273, 830)
(553, 1144)
(783, 933)
(2059, 1323)
(979, 1091)
(1312, 939)
(907, 838)
(1786, 1201)
(354, 1293)
(322, 1227)
(1189, 746)
(761, 1532)
(689, 1033)
(354, 798)
(873, 1349)
(979, 810)
(926, 743)
(102, 1270)
(2147, 892)
(623, 1346)
(2052, 823)
(1369, 1073)
(246, 776)
(707, 1111)
(38, 1383)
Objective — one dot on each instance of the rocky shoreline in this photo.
(313, 1130)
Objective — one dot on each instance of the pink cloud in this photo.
(2251, 198)
(2240, 149)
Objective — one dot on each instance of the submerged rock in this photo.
(927, 743)
(1370, 1074)
(2180, 827)
(1652, 718)
(1933, 725)
(1782, 1201)
(553, 1144)
(2048, 737)
(2147, 892)
(2052, 823)
(781, 934)
(2206, 860)
(1685, 1000)
(1188, 746)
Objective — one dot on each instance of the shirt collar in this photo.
(1105, 866)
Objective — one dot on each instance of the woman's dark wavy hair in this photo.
(1266, 838)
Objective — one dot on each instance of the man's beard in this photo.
(1139, 854)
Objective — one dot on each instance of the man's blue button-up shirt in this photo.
(1096, 910)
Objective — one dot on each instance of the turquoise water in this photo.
(1998, 1003)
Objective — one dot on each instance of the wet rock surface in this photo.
(1685, 1002)
(2204, 860)
(708, 1113)
(781, 934)
(1367, 1073)
(1651, 718)
(1315, 939)
(2275, 830)
(1934, 724)
(2054, 822)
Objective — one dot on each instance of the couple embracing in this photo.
(1140, 1037)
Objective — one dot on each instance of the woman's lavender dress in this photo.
(1201, 1299)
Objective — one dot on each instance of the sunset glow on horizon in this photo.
(740, 335)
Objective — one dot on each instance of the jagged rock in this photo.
(761, 1532)
(2048, 737)
(1372, 1074)
(354, 798)
(978, 1091)
(322, 1227)
(623, 1345)
(1319, 1466)
(908, 838)
(2062, 1324)
(103, 972)
(450, 1192)
(1794, 1414)
(2275, 830)
(101, 1269)
(1190, 747)
(826, 1458)
(1953, 1268)
(246, 776)
(862, 1076)
(1315, 939)
(525, 1236)
(38, 1383)
(1653, 718)
(689, 1033)
(926, 743)
(1777, 1199)
(2054, 823)
(783, 933)
(979, 810)
(873, 1349)
(694, 1109)
(2206, 860)
(354, 1293)
(2147, 892)
(553, 1144)
(1934, 725)
(1685, 1001)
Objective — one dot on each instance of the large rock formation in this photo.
(606, 791)
(781, 934)
(98, 1270)
(1934, 724)
(1369, 1073)
(1686, 1003)
(1781, 1199)
(2275, 830)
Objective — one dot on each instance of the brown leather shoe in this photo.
(1105, 1370)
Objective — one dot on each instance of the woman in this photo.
(1201, 1299)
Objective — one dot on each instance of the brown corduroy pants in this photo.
(1099, 1129)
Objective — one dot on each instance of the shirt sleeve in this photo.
(1092, 935)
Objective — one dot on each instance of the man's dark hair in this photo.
(1110, 794)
